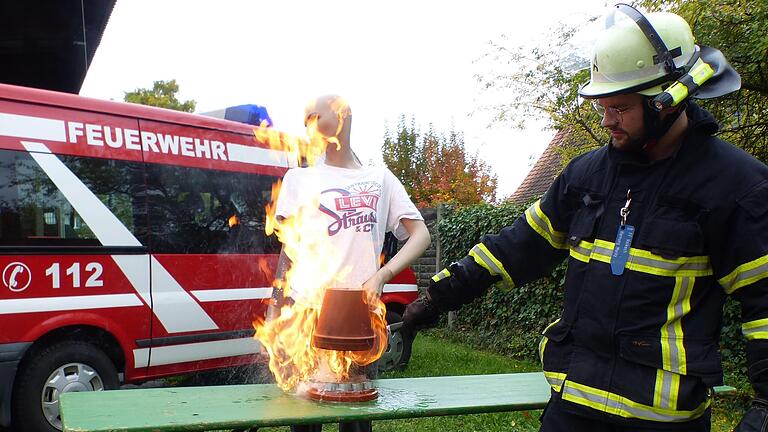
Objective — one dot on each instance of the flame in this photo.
(264, 267)
(341, 108)
(233, 220)
(298, 149)
(288, 338)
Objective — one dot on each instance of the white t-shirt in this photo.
(356, 207)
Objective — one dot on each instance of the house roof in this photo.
(544, 171)
(50, 44)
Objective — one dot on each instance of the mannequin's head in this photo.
(330, 115)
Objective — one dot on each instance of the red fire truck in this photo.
(132, 247)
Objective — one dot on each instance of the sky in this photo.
(416, 58)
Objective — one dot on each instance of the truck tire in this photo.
(67, 366)
(398, 351)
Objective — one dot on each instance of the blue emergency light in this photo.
(249, 114)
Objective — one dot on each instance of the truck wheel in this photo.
(70, 366)
(398, 349)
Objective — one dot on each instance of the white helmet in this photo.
(644, 54)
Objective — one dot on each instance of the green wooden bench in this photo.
(248, 406)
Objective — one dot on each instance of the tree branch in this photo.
(745, 127)
(589, 131)
(762, 89)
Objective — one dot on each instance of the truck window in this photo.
(201, 211)
(33, 212)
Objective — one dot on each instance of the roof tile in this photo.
(544, 171)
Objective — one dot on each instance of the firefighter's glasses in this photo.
(617, 112)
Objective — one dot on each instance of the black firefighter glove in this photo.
(419, 315)
(448, 290)
(756, 418)
(424, 312)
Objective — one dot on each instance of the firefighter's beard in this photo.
(626, 141)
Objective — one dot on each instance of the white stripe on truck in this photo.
(68, 303)
(256, 155)
(228, 294)
(28, 127)
(392, 288)
(165, 355)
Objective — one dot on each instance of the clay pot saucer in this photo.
(356, 390)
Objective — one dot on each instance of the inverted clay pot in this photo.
(344, 323)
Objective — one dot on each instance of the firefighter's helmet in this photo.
(646, 54)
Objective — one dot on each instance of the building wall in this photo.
(426, 266)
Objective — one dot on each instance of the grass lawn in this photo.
(434, 356)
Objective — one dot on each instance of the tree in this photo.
(545, 79)
(162, 94)
(436, 168)
(400, 154)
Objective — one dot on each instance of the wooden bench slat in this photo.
(244, 406)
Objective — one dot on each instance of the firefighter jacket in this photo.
(642, 345)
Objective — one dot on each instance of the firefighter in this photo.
(659, 226)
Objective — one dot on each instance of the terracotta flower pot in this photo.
(344, 323)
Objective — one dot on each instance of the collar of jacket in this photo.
(700, 122)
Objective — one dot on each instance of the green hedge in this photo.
(511, 322)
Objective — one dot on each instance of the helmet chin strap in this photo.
(656, 126)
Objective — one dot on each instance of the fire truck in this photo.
(132, 247)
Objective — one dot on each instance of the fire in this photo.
(233, 220)
(288, 338)
(303, 149)
(299, 149)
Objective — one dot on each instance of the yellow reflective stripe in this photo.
(745, 274)
(672, 348)
(582, 251)
(666, 390)
(550, 325)
(702, 260)
(485, 259)
(555, 379)
(644, 261)
(444, 273)
(612, 403)
(543, 342)
(540, 223)
(658, 389)
(647, 262)
(757, 329)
